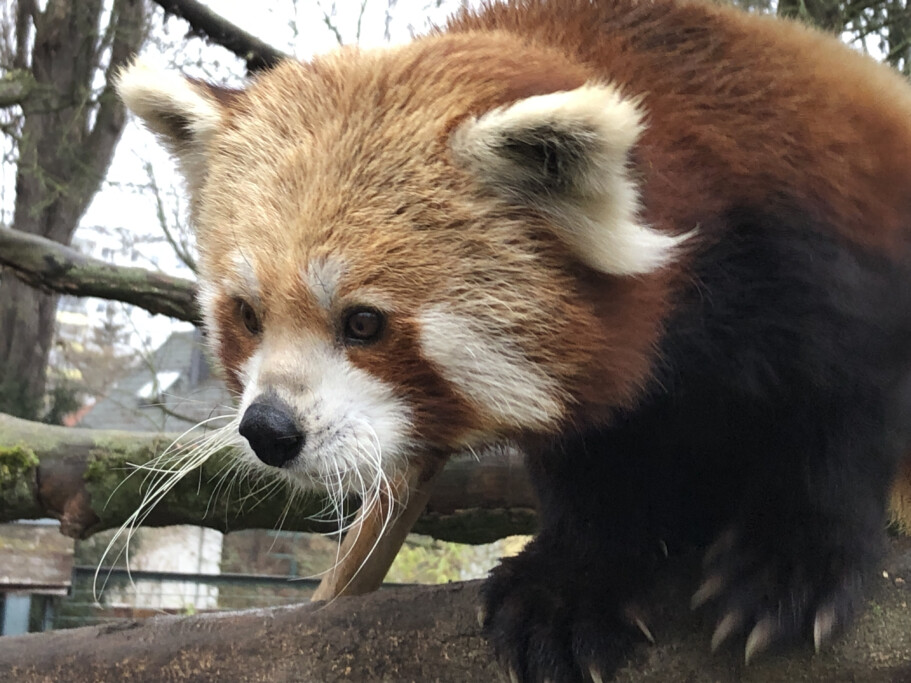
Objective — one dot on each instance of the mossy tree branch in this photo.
(88, 480)
(80, 477)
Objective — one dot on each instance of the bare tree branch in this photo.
(360, 19)
(330, 23)
(128, 31)
(50, 266)
(181, 248)
(60, 162)
(210, 26)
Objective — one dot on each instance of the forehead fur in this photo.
(314, 157)
(371, 120)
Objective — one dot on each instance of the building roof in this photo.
(35, 558)
(172, 390)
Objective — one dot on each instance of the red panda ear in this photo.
(566, 154)
(182, 112)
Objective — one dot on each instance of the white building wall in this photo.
(185, 549)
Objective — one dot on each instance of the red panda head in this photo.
(400, 249)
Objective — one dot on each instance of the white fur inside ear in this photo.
(566, 154)
(181, 111)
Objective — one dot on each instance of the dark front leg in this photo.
(571, 606)
(791, 566)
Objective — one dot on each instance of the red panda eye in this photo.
(363, 325)
(249, 317)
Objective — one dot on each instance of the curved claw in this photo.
(729, 624)
(633, 616)
(595, 675)
(722, 545)
(709, 589)
(823, 626)
(760, 638)
(645, 631)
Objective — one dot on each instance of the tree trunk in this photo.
(65, 144)
(27, 326)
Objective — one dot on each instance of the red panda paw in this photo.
(768, 597)
(548, 619)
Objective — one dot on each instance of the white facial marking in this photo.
(245, 280)
(490, 372)
(322, 276)
(240, 281)
(249, 373)
(207, 295)
(356, 429)
(597, 215)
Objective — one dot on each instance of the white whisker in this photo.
(161, 475)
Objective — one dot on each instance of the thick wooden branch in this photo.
(48, 265)
(80, 477)
(208, 25)
(431, 633)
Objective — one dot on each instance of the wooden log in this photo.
(430, 633)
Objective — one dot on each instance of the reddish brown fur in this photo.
(791, 95)
(400, 357)
(235, 344)
(730, 362)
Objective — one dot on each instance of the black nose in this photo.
(273, 434)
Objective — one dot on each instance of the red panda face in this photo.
(395, 247)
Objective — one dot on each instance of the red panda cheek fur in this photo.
(398, 360)
(233, 344)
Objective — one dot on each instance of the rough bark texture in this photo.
(430, 633)
(16, 87)
(65, 145)
(49, 266)
(80, 477)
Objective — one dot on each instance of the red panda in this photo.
(664, 246)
